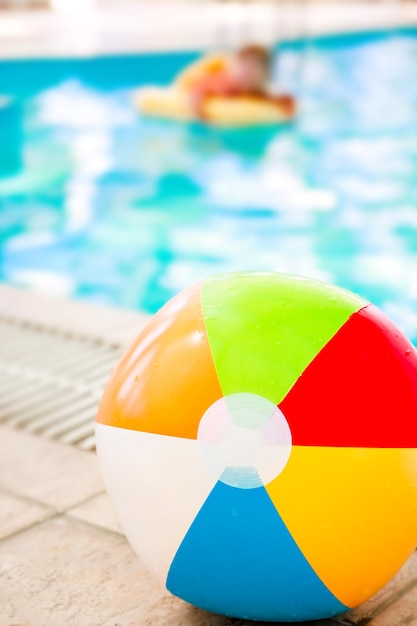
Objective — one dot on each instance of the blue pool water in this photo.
(99, 203)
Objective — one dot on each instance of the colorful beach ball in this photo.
(259, 442)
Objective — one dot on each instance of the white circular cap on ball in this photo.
(245, 440)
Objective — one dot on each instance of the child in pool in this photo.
(244, 73)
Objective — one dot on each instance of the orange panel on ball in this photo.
(167, 380)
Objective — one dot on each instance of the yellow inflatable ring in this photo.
(174, 103)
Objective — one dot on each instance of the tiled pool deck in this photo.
(63, 558)
(127, 26)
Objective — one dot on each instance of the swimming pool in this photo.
(98, 203)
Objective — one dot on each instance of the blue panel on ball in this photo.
(238, 559)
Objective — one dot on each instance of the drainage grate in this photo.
(51, 383)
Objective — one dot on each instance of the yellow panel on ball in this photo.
(352, 512)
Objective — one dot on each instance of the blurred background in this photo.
(102, 203)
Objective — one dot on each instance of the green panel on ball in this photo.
(265, 328)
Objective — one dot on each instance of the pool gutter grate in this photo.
(51, 382)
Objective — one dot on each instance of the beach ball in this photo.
(259, 442)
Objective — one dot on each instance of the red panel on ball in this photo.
(360, 390)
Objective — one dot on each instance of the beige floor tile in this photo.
(174, 612)
(68, 315)
(403, 612)
(18, 513)
(406, 577)
(126, 331)
(66, 573)
(98, 511)
(50, 473)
